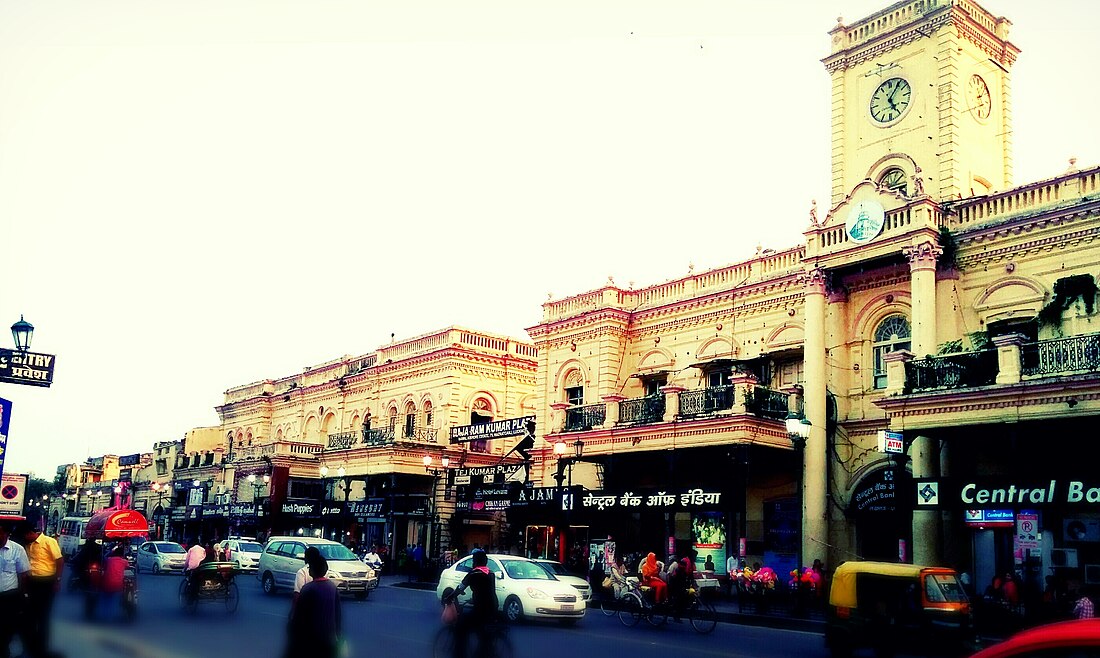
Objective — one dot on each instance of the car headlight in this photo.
(536, 593)
(369, 573)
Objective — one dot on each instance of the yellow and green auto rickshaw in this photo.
(886, 606)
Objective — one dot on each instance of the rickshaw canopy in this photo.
(843, 591)
(116, 524)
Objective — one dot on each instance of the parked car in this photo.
(243, 553)
(1079, 638)
(160, 556)
(284, 556)
(564, 575)
(524, 588)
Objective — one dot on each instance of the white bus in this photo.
(70, 534)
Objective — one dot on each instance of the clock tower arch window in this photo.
(895, 180)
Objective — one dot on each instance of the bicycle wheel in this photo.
(657, 615)
(443, 646)
(187, 602)
(631, 611)
(232, 597)
(703, 617)
(607, 606)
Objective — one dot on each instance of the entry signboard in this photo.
(30, 368)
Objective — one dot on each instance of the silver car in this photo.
(243, 553)
(284, 556)
(160, 556)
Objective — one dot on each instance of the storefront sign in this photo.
(690, 499)
(990, 518)
(301, 509)
(1005, 493)
(413, 505)
(215, 510)
(194, 512)
(1027, 531)
(876, 493)
(498, 429)
(526, 496)
(179, 513)
(30, 368)
(195, 496)
(242, 509)
(373, 508)
(129, 460)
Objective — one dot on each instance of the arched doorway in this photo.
(884, 524)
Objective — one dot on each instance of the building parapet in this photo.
(1069, 188)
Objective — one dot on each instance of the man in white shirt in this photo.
(15, 568)
(372, 559)
(732, 564)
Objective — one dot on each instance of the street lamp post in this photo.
(160, 491)
(560, 448)
(22, 332)
(257, 484)
(798, 429)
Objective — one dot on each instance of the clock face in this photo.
(890, 100)
(978, 98)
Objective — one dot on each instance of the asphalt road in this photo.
(401, 623)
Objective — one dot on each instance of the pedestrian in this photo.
(732, 564)
(651, 577)
(1083, 608)
(87, 565)
(196, 555)
(114, 572)
(47, 565)
(15, 568)
(418, 559)
(315, 623)
(302, 577)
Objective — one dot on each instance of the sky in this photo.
(200, 195)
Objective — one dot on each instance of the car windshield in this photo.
(943, 588)
(335, 552)
(521, 570)
(170, 548)
(556, 568)
(250, 547)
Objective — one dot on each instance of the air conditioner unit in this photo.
(1092, 574)
(1064, 557)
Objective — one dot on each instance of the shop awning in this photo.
(116, 524)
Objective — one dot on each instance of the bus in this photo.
(71, 534)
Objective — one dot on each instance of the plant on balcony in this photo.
(976, 341)
(1067, 290)
(948, 260)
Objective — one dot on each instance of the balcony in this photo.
(379, 436)
(647, 409)
(342, 440)
(420, 434)
(585, 417)
(766, 403)
(706, 401)
(961, 370)
(1061, 356)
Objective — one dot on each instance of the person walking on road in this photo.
(315, 622)
(47, 565)
(87, 564)
(302, 578)
(15, 568)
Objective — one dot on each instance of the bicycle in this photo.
(609, 602)
(700, 613)
(443, 646)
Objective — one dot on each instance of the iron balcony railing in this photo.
(378, 436)
(585, 418)
(422, 434)
(962, 370)
(647, 409)
(703, 401)
(1062, 356)
(342, 440)
(766, 403)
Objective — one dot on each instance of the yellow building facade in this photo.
(340, 450)
(933, 299)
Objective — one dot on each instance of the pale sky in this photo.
(198, 195)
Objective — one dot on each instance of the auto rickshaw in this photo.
(120, 525)
(887, 606)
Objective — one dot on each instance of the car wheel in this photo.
(269, 583)
(156, 567)
(513, 610)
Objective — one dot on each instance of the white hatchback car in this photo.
(525, 589)
(160, 556)
(563, 574)
(244, 553)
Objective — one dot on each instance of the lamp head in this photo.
(559, 448)
(578, 448)
(324, 471)
(341, 471)
(427, 461)
(252, 478)
(22, 332)
(267, 478)
(446, 461)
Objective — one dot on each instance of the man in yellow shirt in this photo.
(47, 564)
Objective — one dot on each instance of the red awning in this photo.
(116, 524)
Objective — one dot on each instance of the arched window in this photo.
(892, 334)
(894, 179)
(482, 412)
(410, 420)
(428, 414)
(573, 387)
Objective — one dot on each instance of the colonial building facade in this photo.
(356, 449)
(932, 298)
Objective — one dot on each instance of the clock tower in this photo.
(921, 100)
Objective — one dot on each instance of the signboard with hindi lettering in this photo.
(30, 368)
(497, 429)
(673, 499)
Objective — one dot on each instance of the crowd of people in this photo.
(31, 568)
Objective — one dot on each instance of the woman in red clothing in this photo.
(110, 587)
(651, 577)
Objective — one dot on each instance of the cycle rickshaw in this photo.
(121, 525)
(212, 582)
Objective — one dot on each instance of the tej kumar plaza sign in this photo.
(1002, 493)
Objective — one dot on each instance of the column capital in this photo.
(559, 406)
(816, 280)
(922, 256)
(898, 355)
(613, 397)
(672, 389)
(1004, 340)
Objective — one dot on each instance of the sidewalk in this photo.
(78, 640)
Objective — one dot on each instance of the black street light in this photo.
(22, 332)
(798, 429)
(432, 514)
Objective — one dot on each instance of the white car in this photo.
(245, 554)
(160, 556)
(524, 588)
(562, 574)
(284, 556)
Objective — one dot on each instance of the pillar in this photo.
(611, 409)
(672, 402)
(924, 451)
(815, 530)
(557, 417)
(1009, 365)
